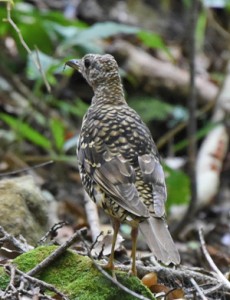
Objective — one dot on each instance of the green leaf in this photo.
(24, 130)
(200, 29)
(58, 132)
(178, 187)
(151, 109)
(89, 39)
(153, 40)
(48, 64)
(78, 108)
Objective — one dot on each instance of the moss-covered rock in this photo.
(76, 276)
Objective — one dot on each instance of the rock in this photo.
(23, 208)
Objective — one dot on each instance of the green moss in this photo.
(96, 286)
(75, 275)
(4, 279)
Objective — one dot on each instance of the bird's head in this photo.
(96, 69)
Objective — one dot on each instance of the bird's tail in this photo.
(159, 240)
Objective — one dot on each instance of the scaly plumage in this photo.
(119, 163)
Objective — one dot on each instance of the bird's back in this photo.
(114, 137)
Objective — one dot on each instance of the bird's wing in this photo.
(115, 176)
(153, 173)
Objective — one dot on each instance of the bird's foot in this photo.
(133, 272)
(110, 266)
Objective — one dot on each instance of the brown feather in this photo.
(159, 240)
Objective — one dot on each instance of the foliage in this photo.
(150, 108)
(24, 130)
(155, 109)
(178, 187)
(77, 108)
(200, 29)
(54, 36)
(153, 40)
(53, 39)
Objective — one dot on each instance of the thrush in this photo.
(119, 163)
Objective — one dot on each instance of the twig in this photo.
(192, 126)
(52, 232)
(92, 216)
(6, 237)
(26, 169)
(41, 283)
(221, 277)
(213, 23)
(198, 289)
(26, 47)
(213, 289)
(165, 138)
(13, 271)
(96, 240)
(183, 274)
(113, 280)
(12, 280)
(54, 255)
(41, 70)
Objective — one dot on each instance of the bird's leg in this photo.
(134, 234)
(116, 226)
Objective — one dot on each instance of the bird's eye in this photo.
(87, 63)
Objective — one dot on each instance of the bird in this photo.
(119, 163)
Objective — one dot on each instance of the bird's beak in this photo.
(74, 63)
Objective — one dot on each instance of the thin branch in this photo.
(54, 255)
(11, 284)
(52, 232)
(25, 46)
(192, 126)
(26, 169)
(182, 274)
(6, 237)
(41, 70)
(41, 283)
(9, 268)
(165, 138)
(198, 289)
(221, 277)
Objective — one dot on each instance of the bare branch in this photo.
(221, 277)
(14, 282)
(25, 46)
(192, 126)
(54, 255)
(198, 289)
(6, 237)
(26, 169)
(52, 232)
